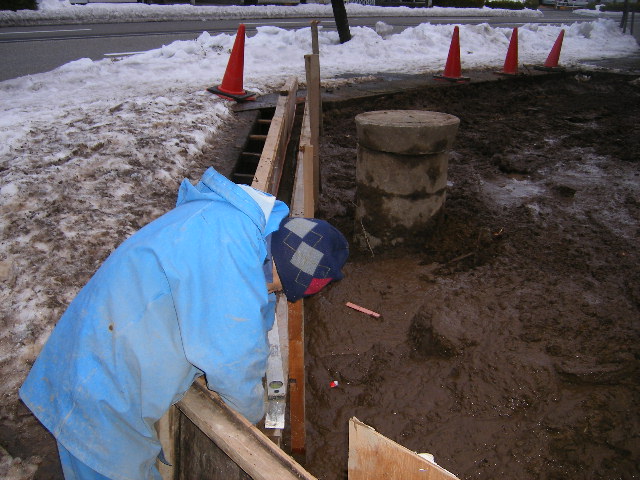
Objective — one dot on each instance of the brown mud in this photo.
(508, 345)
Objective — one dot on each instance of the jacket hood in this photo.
(214, 186)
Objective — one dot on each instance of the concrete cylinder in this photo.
(401, 174)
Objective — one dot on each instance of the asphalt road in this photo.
(37, 49)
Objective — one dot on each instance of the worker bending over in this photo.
(189, 294)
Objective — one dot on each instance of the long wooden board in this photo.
(297, 414)
(246, 445)
(269, 171)
(302, 205)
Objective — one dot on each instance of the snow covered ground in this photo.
(93, 150)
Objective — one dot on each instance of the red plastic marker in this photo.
(362, 309)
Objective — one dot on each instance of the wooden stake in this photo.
(296, 377)
(312, 65)
(315, 47)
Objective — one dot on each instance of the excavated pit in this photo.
(508, 344)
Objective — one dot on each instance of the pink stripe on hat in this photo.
(316, 285)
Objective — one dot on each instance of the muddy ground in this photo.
(508, 345)
(509, 340)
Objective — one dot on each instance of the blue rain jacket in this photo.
(185, 295)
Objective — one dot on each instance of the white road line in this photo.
(121, 54)
(47, 31)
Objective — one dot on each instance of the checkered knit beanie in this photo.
(309, 254)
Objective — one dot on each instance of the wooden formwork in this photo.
(204, 438)
(269, 170)
(201, 436)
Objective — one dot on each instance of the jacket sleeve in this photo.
(222, 306)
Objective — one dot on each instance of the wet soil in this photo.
(508, 345)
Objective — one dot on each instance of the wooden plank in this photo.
(373, 456)
(310, 198)
(315, 46)
(243, 178)
(263, 178)
(315, 49)
(267, 176)
(247, 446)
(290, 117)
(305, 133)
(296, 377)
(299, 206)
(258, 138)
(312, 66)
(201, 458)
(296, 209)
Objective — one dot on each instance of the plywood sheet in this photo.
(373, 456)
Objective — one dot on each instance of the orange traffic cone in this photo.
(452, 68)
(552, 60)
(231, 87)
(511, 62)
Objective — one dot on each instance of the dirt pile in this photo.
(509, 341)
